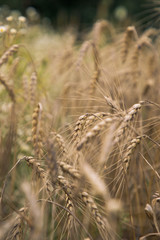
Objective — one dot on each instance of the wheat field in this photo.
(80, 133)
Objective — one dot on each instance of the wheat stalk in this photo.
(4, 58)
(37, 130)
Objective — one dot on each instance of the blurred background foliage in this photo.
(62, 13)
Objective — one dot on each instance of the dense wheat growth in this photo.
(80, 133)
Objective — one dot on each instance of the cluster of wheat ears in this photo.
(79, 136)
